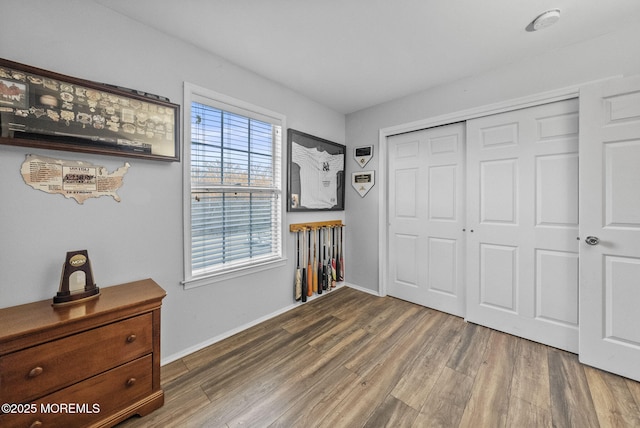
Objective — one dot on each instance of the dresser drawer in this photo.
(91, 400)
(36, 371)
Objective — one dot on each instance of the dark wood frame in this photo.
(44, 109)
(293, 170)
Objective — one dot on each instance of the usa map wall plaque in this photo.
(72, 179)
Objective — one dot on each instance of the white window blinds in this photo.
(235, 188)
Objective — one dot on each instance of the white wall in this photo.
(141, 236)
(608, 55)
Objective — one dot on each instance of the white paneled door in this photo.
(426, 218)
(522, 257)
(610, 226)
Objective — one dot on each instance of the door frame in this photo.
(446, 119)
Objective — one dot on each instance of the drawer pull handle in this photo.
(36, 371)
(36, 424)
(131, 381)
(131, 338)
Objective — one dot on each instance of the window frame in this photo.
(194, 93)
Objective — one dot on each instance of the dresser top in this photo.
(41, 316)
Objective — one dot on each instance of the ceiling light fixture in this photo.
(544, 20)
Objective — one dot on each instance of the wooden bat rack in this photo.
(297, 227)
(322, 272)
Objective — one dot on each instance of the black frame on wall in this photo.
(40, 108)
(324, 157)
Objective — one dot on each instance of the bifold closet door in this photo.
(426, 218)
(522, 247)
(610, 226)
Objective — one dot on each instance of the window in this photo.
(235, 203)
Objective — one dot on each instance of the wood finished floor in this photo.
(350, 359)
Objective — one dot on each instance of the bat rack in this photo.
(297, 227)
(323, 280)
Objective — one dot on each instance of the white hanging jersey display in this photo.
(318, 176)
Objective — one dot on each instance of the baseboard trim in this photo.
(364, 289)
(190, 350)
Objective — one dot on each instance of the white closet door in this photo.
(610, 212)
(426, 218)
(522, 258)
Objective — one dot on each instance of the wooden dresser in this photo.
(92, 363)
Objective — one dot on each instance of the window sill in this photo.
(212, 278)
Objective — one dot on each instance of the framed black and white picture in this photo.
(316, 178)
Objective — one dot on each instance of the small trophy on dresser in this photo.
(76, 283)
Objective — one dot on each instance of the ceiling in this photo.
(353, 54)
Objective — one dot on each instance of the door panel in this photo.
(522, 270)
(557, 208)
(622, 205)
(406, 264)
(501, 135)
(622, 295)
(499, 191)
(443, 270)
(442, 192)
(610, 211)
(406, 185)
(557, 286)
(426, 218)
(498, 277)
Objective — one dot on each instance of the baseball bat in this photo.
(328, 259)
(315, 263)
(304, 272)
(324, 258)
(341, 270)
(309, 271)
(333, 258)
(318, 269)
(338, 247)
(298, 281)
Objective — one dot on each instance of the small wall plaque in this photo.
(76, 283)
(363, 155)
(363, 181)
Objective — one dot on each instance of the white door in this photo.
(610, 212)
(426, 218)
(522, 223)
